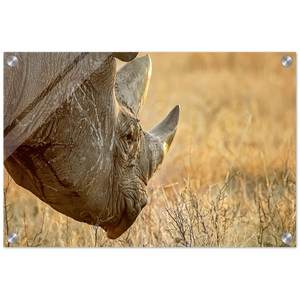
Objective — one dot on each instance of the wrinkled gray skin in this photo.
(90, 159)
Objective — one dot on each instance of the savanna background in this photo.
(229, 179)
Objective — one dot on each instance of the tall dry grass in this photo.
(229, 179)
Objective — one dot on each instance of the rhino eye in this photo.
(129, 136)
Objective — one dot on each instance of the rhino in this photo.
(73, 136)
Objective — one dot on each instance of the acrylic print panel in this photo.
(229, 179)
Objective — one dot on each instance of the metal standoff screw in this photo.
(12, 61)
(286, 61)
(12, 238)
(286, 237)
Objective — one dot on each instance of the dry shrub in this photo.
(219, 220)
(201, 221)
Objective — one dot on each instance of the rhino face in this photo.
(91, 159)
(137, 154)
(129, 175)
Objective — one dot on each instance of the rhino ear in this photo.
(125, 56)
(132, 82)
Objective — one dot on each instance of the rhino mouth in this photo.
(127, 219)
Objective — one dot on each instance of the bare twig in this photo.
(6, 208)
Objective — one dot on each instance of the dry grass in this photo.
(230, 177)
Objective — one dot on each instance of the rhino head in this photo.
(89, 158)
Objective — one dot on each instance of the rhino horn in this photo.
(162, 136)
(132, 82)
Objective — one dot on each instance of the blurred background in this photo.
(229, 178)
(238, 108)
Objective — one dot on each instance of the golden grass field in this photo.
(229, 179)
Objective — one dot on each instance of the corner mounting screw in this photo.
(286, 237)
(12, 61)
(12, 238)
(286, 61)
